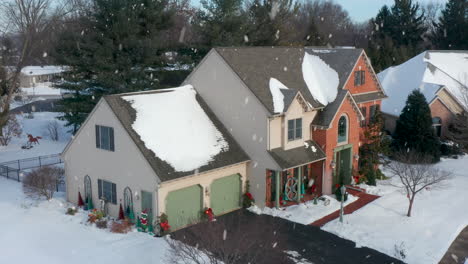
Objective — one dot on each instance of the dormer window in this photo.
(343, 129)
(359, 78)
(294, 129)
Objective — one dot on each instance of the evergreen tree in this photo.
(221, 23)
(414, 130)
(451, 32)
(111, 49)
(407, 22)
(270, 21)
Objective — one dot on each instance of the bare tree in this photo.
(233, 239)
(26, 25)
(43, 182)
(10, 130)
(458, 129)
(416, 173)
(53, 130)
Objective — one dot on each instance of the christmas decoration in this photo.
(164, 226)
(209, 214)
(89, 204)
(138, 224)
(144, 220)
(121, 213)
(80, 200)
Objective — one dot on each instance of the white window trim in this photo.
(346, 133)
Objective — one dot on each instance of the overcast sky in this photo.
(361, 10)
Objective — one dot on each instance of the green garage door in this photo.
(226, 194)
(183, 207)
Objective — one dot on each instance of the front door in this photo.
(343, 166)
(147, 204)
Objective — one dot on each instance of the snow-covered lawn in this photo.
(36, 126)
(305, 213)
(437, 218)
(41, 232)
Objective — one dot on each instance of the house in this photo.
(162, 151)
(299, 113)
(32, 75)
(442, 76)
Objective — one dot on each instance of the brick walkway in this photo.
(363, 199)
(458, 251)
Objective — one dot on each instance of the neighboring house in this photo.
(442, 76)
(163, 151)
(33, 75)
(297, 112)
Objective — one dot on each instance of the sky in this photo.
(362, 10)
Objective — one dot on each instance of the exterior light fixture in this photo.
(333, 164)
(343, 190)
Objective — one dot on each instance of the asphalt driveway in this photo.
(305, 243)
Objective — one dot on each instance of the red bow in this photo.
(165, 226)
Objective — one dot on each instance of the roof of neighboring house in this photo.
(128, 109)
(42, 70)
(302, 155)
(427, 72)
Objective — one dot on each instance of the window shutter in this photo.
(100, 188)
(98, 137)
(111, 136)
(114, 193)
(356, 78)
(363, 77)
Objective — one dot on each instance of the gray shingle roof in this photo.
(127, 115)
(291, 158)
(256, 65)
(325, 116)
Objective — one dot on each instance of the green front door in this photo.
(184, 206)
(343, 166)
(226, 194)
(147, 204)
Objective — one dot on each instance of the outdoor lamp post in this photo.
(343, 190)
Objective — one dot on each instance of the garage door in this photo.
(226, 194)
(183, 207)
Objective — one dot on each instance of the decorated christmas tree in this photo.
(80, 200)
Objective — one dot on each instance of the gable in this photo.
(371, 85)
(449, 101)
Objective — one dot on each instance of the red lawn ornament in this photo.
(165, 226)
(249, 195)
(209, 214)
(32, 139)
(313, 188)
(121, 213)
(80, 200)
(356, 179)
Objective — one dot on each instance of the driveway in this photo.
(305, 243)
(458, 251)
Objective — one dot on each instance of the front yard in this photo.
(438, 217)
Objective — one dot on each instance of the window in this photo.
(437, 126)
(359, 78)
(294, 129)
(128, 201)
(364, 113)
(107, 191)
(105, 138)
(372, 112)
(342, 129)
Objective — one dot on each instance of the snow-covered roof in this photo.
(42, 70)
(322, 80)
(176, 131)
(428, 72)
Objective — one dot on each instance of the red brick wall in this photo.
(329, 139)
(440, 110)
(370, 84)
(367, 106)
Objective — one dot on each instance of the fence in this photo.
(12, 169)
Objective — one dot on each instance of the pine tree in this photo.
(112, 49)
(414, 130)
(451, 31)
(408, 23)
(221, 23)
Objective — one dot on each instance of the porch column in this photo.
(299, 182)
(277, 198)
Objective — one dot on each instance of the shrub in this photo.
(95, 216)
(121, 227)
(71, 211)
(338, 193)
(43, 182)
(371, 177)
(449, 149)
(52, 129)
(11, 129)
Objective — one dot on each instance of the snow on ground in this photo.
(305, 213)
(36, 126)
(174, 126)
(437, 218)
(320, 78)
(42, 70)
(278, 97)
(41, 232)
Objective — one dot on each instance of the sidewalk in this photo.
(364, 199)
(458, 251)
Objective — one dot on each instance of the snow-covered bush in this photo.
(52, 129)
(10, 130)
(43, 182)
